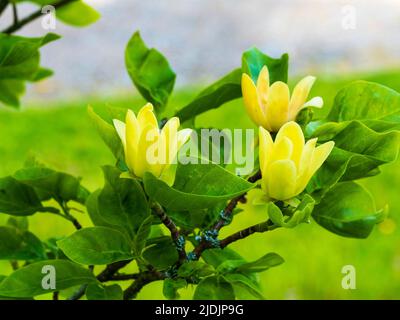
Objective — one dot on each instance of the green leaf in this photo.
(27, 281)
(107, 133)
(20, 245)
(214, 288)
(10, 91)
(96, 246)
(216, 256)
(171, 287)
(348, 210)
(362, 100)
(299, 214)
(253, 60)
(149, 71)
(160, 252)
(17, 198)
(264, 263)
(358, 151)
(122, 202)
(244, 287)
(225, 89)
(49, 183)
(96, 291)
(20, 223)
(196, 187)
(78, 14)
(195, 269)
(139, 241)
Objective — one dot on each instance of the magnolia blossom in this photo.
(271, 106)
(288, 163)
(146, 147)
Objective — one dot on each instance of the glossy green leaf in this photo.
(225, 89)
(107, 133)
(214, 288)
(149, 71)
(122, 202)
(27, 281)
(96, 246)
(20, 245)
(244, 288)
(49, 184)
(253, 60)
(17, 198)
(171, 287)
(348, 210)
(195, 269)
(196, 186)
(96, 291)
(10, 91)
(140, 238)
(264, 263)
(160, 252)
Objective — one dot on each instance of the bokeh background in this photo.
(338, 41)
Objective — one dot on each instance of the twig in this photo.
(121, 277)
(176, 237)
(68, 215)
(226, 214)
(15, 13)
(260, 227)
(33, 16)
(56, 295)
(3, 5)
(143, 279)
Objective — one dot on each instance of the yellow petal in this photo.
(304, 167)
(265, 148)
(281, 180)
(320, 154)
(283, 149)
(292, 131)
(120, 128)
(263, 84)
(146, 116)
(276, 109)
(132, 137)
(144, 161)
(316, 102)
(251, 102)
(169, 138)
(299, 95)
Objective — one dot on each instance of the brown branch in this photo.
(176, 237)
(260, 227)
(226, 214)
(16, 25)
(121, 277)
(3, 5)
(143, 279)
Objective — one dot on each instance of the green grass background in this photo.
(61, 135)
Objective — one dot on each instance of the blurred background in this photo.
(337, 41)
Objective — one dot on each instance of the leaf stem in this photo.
(142, 279)
(16, 25)
(175, 234)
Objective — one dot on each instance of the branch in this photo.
(33, 16)
(68, 215)
(106, 275)
(15, 13)
(176, 237)
(143, 279)
(226, 214)
(121, 277)
(260, 227)
(3, 5)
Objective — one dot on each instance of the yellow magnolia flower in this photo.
(271, 106)
(146, 147)
(288, 164)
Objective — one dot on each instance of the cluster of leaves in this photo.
(127, 213)
(20, 56)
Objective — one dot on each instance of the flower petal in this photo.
(146, 117)
(252, 103)
(265, 148)
(316, 102)
(281, 180)
(320, 154)
(299, 96)
(277, 106)
(263, 84)
(132, 134)
(120, 128)
(292, 131)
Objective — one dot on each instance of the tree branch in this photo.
(143, 279)
(3, 5)
(260, 227)
(176, 237)
(68, 215)
(226, 214)
(15, 13)
(16, 25)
